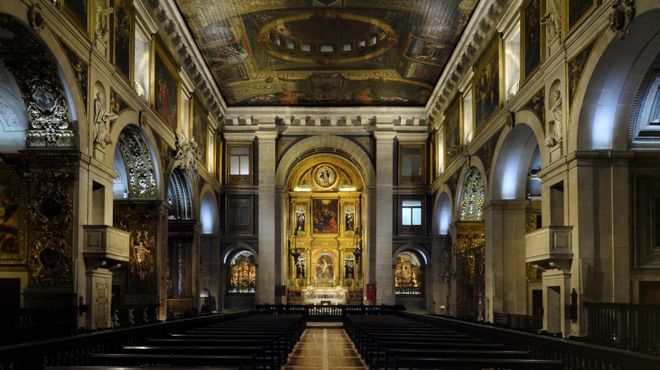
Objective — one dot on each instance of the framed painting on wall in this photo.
(200, 128)
(453, 131)
(487, 86)
(325, 216)
(78, 10)
(166, 89)
(121, 38)
(576, 11)
(531, 36)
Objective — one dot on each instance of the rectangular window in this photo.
(411, 212)
(210, 153)
(142, 64)
(239, 214)
(411, 164)
(512, 62)
(239, 160)
(441, 152)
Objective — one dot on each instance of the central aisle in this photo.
(324, 348)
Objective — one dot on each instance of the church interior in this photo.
(476, 174)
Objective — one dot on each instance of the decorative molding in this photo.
(623, 11)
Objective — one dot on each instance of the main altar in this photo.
(324, 244)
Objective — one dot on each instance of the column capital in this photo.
(384, 135)
(266, 136)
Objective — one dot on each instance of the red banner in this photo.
(371, 292)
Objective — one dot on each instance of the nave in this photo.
(293, 338)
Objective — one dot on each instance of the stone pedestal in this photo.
(556, 296)
(99, 296)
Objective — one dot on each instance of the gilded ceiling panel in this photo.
(326, 52)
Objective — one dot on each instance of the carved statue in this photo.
(555, 123)
(101, 119)
(102, 18)
(300, 270)
(552, 23)
(187, 152)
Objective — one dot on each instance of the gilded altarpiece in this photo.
(144, 220)
(469, 252)
(50, 178)
(325, 241)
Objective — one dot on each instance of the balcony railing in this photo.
(634, 327)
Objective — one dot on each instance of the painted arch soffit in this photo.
(326, 52)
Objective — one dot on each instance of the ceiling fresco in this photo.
(326, 52)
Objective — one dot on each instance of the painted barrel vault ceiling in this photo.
(326, 52)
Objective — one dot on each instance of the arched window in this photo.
(242, 273)
(472, 197)
(408, 274)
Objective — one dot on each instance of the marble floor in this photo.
(324, 348)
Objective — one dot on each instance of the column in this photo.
(266, 214)
(506, 285)
(384, 213)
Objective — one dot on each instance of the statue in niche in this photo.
(101, 119)
(555, 122)
(324, 273)
(349, 269)
(102, 14)
(552, 23)
(300, 268)
(350, 220)
(300, 220)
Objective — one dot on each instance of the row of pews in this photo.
(252, 342)
(390, 341)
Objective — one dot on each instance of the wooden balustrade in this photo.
(576, 355)
(634, 327)
(528, 323)
(74, 350)
(327, 312)
(23, 325)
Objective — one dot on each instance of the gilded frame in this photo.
(161, 53)
(567, 27)
(524, 74)
(490, 57)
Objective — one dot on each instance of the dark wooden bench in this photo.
(476, 363)
(118, 359)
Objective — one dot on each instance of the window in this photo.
(239, 163)
(184, 119)
(239, 157)
(411, 212)
(441, 152)
(512, 62)
(239, 214)
(142, 64)
(468, 122)
(210, 153)
(411, 166)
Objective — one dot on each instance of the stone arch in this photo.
(442, 211)
(611, 77)
(424, 255)
(466, 174)
(134, 160)
(513, 156)
(73, 96)
(235, 248)
(180, 196)
(325, 144)
(209, 214)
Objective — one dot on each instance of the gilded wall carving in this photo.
(575, 67)
(51, 181)
(36, 73)
(139, 163)
(142, 223)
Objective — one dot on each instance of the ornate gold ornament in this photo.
(325, 176)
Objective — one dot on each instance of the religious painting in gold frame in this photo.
(78, 11)
(531, 37)
(325, 216)
(200, 128)
(487, 86)
(122, 36)
(165, 88)
(452, 129)
(575, 12)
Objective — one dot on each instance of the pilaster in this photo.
(266, 225)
